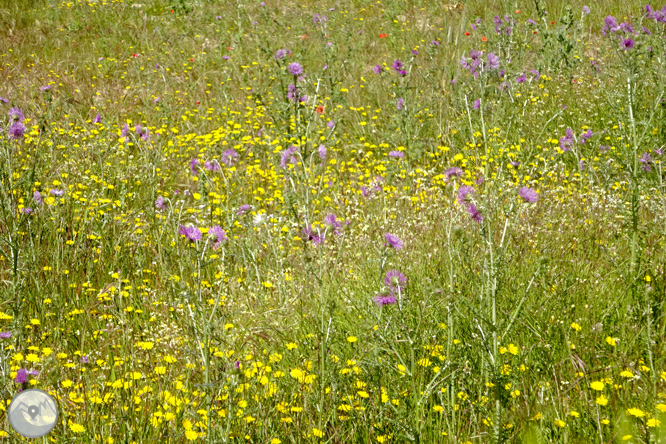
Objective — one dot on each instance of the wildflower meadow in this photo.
(390, 221)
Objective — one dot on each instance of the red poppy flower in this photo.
(320, 110)
(172, 11)
(198, 103)
(484, 39)
(382, 35)
(191, 60)
(303, 37)
(466, 33)
(517, 11)
(552, 23)
(533, 32)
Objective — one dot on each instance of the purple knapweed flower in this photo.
(193, 164)
(288, 156)
(515, 164)
(160, 204)
(84, 359)
(398, 66)
(659, 151)
(401, 102)
(464, 193)
(282, 53)
(16, 130)
(395, 280)
(16, 115)
(586, 136)
(610, 24)
(97, 119)
(645, 159)
(229, 156)
(237, 364)
(218, 235)
(296, 69)
(453, 171)
(3, 100)
(531, 22)
(477, 104)
(435, 43)
(493, 61)
(191, 233)
(415, 52)
(322, 152)
(393, 241)
(56, 192)
(124, 131)
(396, 154)
(312, 236)
(567, 142)
(475, 213)
(212, 166)
(27, 210)
(37, 197)
(521, 79)
(330, 124)
(377, 69)
(586, 10)
(627, 44)
(6, 335)
(243, 209)
(45, 88)
(384, 299)
(528, 194)
(21, 376)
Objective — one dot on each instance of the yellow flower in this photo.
(77, 428)
(318, 433)
(560, 423)
(292, 345)
(352, 339)
(363, 394)
(627, 374)
(626, 437)
(661, 407)
(160, 370)
(32, 357)
(575, 326)
(652, 422)
(276, 441)
(438, 408)
(638, 413)
(191, 435)
(597, 385)
(602, 400)
(513, 349)
(67, 383)
(611, 341)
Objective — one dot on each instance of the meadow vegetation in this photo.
(334, 222)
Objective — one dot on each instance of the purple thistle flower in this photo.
(645, 159)
(493, 61)
(160, 204)
(16, 115)
(453, 171)
(610, 24)
(528, 194)
(37, 197)
(282, 53)
(627, 44)
(193, 163)
(384, 299)
(16, 130)
(211, 166)
(377, 69)
(475, 213)
(97, 119)
(6, 335)
(288, 156)
(322, 152)
(311, 236)
(191, 233)
(395, 280)
(567, 141)
(21, 376)
(396, 154)
(464, 193)
(401, 102)
(243, 209)
(229, 157)
(218, 235)
(393, 241)
(477, 104)
(295, 69)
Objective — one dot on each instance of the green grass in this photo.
(542, 323)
